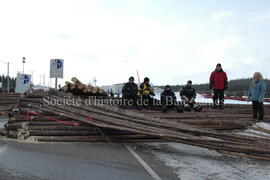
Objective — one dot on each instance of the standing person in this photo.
(188, 96)
(256, 95)
(130, 91)
(111, 93)
(146, 92)
(219, 83)
(118, 93)
(168, 100)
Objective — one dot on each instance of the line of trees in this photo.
(12, 83)
(237, 87)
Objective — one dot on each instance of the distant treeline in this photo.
(12, 83)
(237, 87)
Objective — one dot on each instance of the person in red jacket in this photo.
(219, 83)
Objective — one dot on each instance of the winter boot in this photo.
(254, 116)
(197, 108)
(221, 104)
(163, 108)
(187, 107)
(215, 103)
(179, 109)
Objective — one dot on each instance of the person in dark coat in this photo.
(168, 100)
(146, 92)
(256, 94)
(130, 91)
(111, 93)
(219, 83)
(188, 96)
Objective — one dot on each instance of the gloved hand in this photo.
(152, 93)
(225, 85)
(146, 92)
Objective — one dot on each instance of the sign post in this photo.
(23, 83)
(56, 70)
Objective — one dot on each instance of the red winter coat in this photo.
(219, 80)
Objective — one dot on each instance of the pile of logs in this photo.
(8, 101)
(88, 122)
(232, 118)
(78, 88)
(29, 123)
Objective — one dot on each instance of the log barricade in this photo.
(213, 129)
(8, 101)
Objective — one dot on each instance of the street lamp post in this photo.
(7, 74)
(23, 61)
(95, 81)
(8, 77)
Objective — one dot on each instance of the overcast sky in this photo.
(170, 41)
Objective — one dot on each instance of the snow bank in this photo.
(201, 99)
(194, 163)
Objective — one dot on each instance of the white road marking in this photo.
(143, 163)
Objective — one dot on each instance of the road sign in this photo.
(56, 68)
(23, 83)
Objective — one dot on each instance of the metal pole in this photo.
(43, 79)
(23, 61)
(8, 77)
(56, 83)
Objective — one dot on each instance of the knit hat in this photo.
(146, 79)
(131, 78)
(219, 65)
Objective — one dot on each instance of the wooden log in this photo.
(75, 80)
(68, 83)
(257, 157)
(12, 134)
(40, 118)
(48, 123)
(81, 86)
(87, 139)
(32, 100)
(66, 88)
(95, 90)
(59, 128)
(61, 132)
(34, 95)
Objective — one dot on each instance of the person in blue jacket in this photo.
(256, 94)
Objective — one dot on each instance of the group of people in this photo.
(218, 83)
(256, 93)
(145, 94)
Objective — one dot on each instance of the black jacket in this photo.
(130, 89)
(188, 91)
(166, 94)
